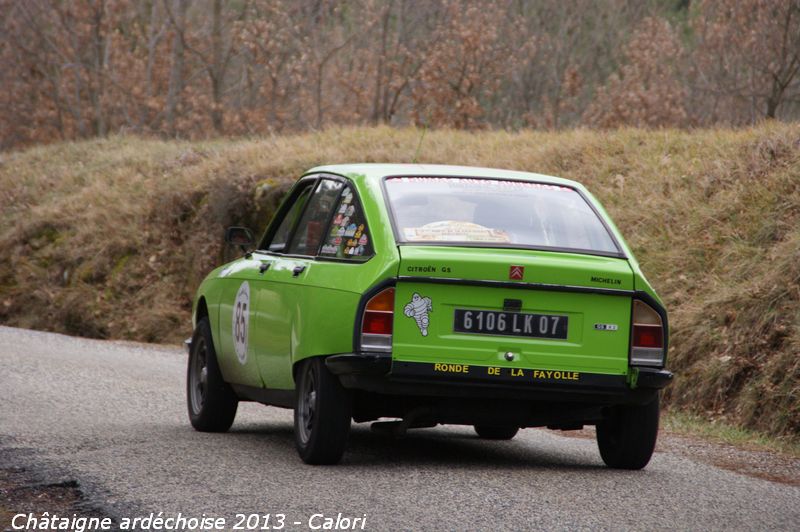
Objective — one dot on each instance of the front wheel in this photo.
(627, 436)
(321, 415)
(211, 401)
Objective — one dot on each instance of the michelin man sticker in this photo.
(418, 309)
(241, 321)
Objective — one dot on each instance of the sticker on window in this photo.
(347, 238)
(453, 231)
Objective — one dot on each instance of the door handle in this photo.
(297, 270)
(263, 267)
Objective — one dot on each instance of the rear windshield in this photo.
(495, 213)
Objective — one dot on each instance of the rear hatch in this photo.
(459, 307)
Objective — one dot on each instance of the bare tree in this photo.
(647, 91)
(746, 60)
(175, 91)
(195, 68)
(212, 47)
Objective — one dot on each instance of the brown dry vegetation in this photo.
(109, 238)
(205, 68)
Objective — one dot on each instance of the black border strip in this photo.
(493, 245)
(520, 285)
(518, 313)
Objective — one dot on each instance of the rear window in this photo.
(497, 213)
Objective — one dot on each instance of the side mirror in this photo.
(240, 236)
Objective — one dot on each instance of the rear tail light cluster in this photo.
(647, 339)
(376, 324)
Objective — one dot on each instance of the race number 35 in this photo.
(241, 321)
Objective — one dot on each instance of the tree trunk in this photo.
(772, 106)
(97, 87)
(376, 101)
(217, 67)
(176, 69)
(318, 92)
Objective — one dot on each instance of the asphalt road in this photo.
(112, 416)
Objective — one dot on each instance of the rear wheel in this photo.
(627, 436)
(211, 401)
(321, 415)
(488, 432)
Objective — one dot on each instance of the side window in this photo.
(348, 237)
(308, 235)
(281, 237)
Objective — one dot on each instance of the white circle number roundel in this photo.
(241, 321)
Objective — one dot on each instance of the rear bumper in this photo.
(376, 372)
(653, 378)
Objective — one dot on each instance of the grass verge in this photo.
(697, 426)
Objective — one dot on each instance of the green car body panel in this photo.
(301, 307)
(584, 349)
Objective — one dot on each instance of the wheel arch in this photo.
(201, 310)
(296, 363)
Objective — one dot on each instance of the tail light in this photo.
(647, 338)
(377, 322)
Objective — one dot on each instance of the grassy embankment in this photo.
(109, 238)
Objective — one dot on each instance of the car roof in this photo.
(375, 171)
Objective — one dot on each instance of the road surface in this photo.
(111, 416)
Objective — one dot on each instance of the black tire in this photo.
(488, 432)
(321, 415)
(211, 401)
(627, 436)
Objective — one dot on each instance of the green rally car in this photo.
(433, 294)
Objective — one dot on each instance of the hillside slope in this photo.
(109, 238)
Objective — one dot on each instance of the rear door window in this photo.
(281, 236)
(308, 235)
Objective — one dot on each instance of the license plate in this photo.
(510, 324)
